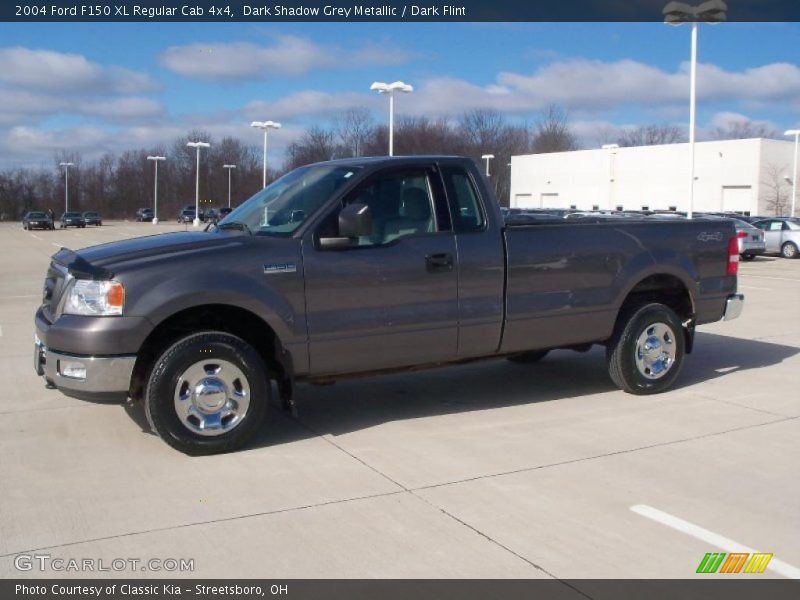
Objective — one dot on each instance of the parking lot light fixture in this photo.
(197, 146)
(796, 134)
(266, 126)
(390, 89)
(156, 160)
(678, 13)
(66, 166)
(487, 158)
(229, 167)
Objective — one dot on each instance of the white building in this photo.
(732, 175)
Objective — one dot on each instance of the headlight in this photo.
(95, 298)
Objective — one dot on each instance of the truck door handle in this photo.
(439, 262)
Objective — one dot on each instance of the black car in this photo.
(72, 219)
(188, 213)
(144, 214)
(37, 219)
(93, 218)
(215, 215)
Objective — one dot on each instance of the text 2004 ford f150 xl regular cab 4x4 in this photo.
(367, 266)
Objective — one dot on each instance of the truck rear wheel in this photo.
(646, 352)
(207, 394)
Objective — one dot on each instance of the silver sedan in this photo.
(782, 235)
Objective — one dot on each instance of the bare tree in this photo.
(742, 130)
(651, 135)
(778, 190)
(315, 145)
(353, 128)
(552, 133)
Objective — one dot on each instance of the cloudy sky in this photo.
(94, 88)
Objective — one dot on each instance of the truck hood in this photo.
(112, 255)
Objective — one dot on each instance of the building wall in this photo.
(730, 175)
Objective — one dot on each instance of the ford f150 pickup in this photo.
(367, 266)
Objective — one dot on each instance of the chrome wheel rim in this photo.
(788, 251)
(212, 397)
(655, 350)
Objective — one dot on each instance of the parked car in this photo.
(37, 219)
(223, 212)
(322, 281)
(72, 219)
(144, 214)
(782, 235)
(92, 218)
(186, 215)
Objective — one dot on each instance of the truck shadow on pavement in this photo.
(356, 404)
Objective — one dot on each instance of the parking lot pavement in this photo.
(484, 470)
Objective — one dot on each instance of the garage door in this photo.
(737, 198)
(551, 200)
(523, 201)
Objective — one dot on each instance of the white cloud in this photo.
(58, 72)
(288, 55)
(309, 102)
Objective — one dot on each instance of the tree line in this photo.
(117, 185)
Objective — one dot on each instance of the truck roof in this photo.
(363, 161)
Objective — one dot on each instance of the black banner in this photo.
(485, 589)
(375, 11)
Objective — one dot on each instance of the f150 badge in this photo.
(709, 237)
(273, 268)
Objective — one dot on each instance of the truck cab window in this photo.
(467, 212)
(401, 204)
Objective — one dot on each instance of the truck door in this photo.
(391, 300)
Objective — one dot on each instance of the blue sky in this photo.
(106, 87)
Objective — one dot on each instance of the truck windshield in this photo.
(282, 206)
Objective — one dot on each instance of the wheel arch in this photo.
(228, 318)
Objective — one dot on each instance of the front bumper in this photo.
(733, 307)
(101, 374)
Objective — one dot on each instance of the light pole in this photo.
(487, 158)
(678, 13)
(156, 160)
(796, 134)
(611, 148)
(266, 126)
(229, 167)
(66, 166)
(197, 145)
(390, 89)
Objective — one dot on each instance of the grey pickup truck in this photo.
(367, 266)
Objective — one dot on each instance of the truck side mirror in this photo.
(355, 221)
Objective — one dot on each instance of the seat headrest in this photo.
(415, 204)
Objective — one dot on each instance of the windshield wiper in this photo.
(235, 225)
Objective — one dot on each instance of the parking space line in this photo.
(709, 537)
(775, 278)
(754, 287)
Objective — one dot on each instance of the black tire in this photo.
(527, 358)
(621, 351)
(748, 256)
(24, 227)
(159, 399)
(789, 250)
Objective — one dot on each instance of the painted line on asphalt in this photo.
(775, 278)
(36, 236)
(753, 287)
(709, 537)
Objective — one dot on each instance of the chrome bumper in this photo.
(103, 374)
(733, 307)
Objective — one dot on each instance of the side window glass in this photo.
(775, 226)
(401, 204)
(464, 198)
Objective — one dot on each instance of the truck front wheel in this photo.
(207, 394)
(645, 354)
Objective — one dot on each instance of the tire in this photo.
(24, 227)
(789, 250)
(528, 358)
(174, 377)
(638, 372)
(748, 256)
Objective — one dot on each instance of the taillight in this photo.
(741, 235)
(733, 256)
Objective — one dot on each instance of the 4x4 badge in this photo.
(272, 268)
